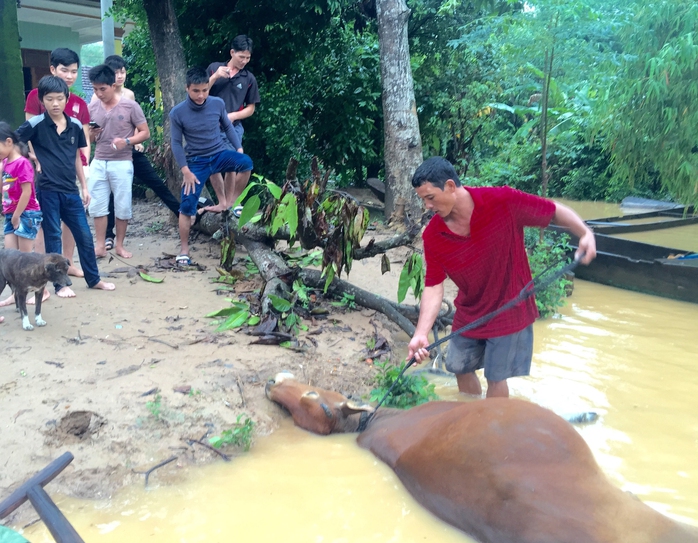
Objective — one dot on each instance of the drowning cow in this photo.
(501, 470)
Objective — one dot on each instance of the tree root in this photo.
(362, 297)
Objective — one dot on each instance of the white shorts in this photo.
(107, 177)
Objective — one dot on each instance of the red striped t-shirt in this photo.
(489, 266)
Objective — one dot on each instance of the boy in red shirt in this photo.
(65, 64)
(476, 239)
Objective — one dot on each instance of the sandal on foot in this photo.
(204, 202)
(183, 260)
(199, 215)
(109, 244)
(237, 211)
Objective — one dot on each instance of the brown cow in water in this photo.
(501, 470)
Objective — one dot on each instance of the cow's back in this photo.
(508, 470)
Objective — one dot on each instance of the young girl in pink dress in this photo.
(19, 204)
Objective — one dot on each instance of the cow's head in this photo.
(314, 409)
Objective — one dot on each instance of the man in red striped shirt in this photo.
(476, 239)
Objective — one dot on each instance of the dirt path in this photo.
(84, 382)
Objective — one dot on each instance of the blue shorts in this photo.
(203, 167)
(29, 224)
(502, 357)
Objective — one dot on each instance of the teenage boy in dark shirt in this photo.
(200, 119)
(237, 87)
(59, 141)
(64, 63)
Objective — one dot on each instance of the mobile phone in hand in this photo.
(93, 124)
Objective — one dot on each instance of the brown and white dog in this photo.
(26, 272)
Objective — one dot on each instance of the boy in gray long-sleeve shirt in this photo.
(200, 119)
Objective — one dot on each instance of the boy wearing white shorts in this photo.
(117, 124)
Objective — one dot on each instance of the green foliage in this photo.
(551, 251)
(154, 407)
(311, 258)
(237, 315)
(412, 389)
(347, 301)
(412, 277)
(649, 113)
(240, 435)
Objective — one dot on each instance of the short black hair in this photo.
(241, 43)
(196, 76)
(435, 170)
(7, 132)
(64, 56)
(102, 74)
(51, 83)
(115, 62)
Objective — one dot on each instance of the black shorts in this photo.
(502, 357)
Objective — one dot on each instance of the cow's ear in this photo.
(351, 408)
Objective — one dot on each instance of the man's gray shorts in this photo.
(502, 357)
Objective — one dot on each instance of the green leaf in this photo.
(292, 217)
(253, 320)
(225, 312)
(249, 210)
(150, 279)
(403, 284)
(249, 186)
(274, 189)
(280, 304)
(234, 321)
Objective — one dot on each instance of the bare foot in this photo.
(100, 255)
(214, 209)
(65, 292)
(8, 301)
(123, 253)
(75, 272)
(105, 286)
(32, 300)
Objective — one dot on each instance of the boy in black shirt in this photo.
(237, 87)
(57, 140)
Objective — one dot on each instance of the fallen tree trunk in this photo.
(277, 276)
(211, 223)
(362, 297)
(272, 268)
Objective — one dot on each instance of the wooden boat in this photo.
(645, 221)
(642, 267)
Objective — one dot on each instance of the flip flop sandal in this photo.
(204, 202)
(199, 216)
(183, 260)
(237, 211)
(109, 244)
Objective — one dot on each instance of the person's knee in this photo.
(245, 164)
(188, 204)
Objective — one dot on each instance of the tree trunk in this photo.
(403, 145)
(11, 77)
(172, 67)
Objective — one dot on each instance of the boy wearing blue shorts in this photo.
(203, 122)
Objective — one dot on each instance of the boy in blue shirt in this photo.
(200, 119)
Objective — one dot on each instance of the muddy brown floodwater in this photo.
(631, 358)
